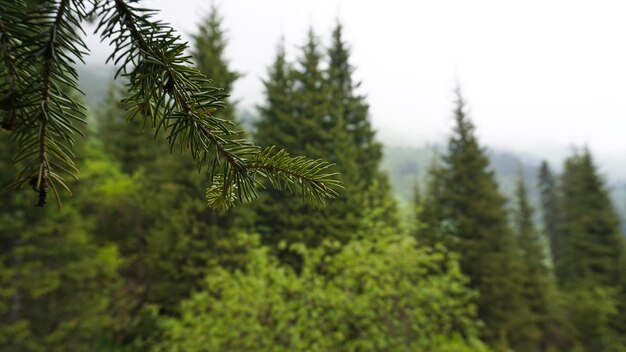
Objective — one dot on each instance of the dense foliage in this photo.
(384, 295)
(135, 261)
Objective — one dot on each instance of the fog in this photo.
(540, 77)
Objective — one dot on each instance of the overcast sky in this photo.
(538, 75)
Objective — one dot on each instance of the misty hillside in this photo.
(406, 165)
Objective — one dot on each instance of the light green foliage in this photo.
(57, 280)
(367, 296)
(380, 216)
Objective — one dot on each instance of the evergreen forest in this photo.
(135, 260)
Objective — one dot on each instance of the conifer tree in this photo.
(317, 112)
(130, 143)
(591, 238)
(346, 106)
(209, 43)
(277, 123)
(473, 221)
(300, 119)
(550, 207)
(536, 277)
(350, 110)
(589, 261)
(431, 215)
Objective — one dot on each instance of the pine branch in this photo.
(164, 88)
(51, 113)
(298, 175)
(180, 101)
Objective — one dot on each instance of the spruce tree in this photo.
(130, 143)
(209, 43)
(431, 216)
(590, 228)
(589, 266)
(301, 112)
(536, 277)
(277, 125)
(472, 218)
(350, 111)
(349, 108)
(550, 207)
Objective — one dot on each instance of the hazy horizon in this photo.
(540, 78)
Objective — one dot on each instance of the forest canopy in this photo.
(134, 260)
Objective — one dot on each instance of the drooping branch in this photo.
(51, 111)
(180, 102)
(48, 60)
(164, 88)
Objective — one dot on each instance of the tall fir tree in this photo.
(132, 144)
(210, 44)
(536, 276)
(277, 125)
(550, 204)
(590, 227)
(348, 107)
(300, 119)
(431, 216)
(470, 213)
(350, 111)
(209, 55)
(317, 112)
(589, 266)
